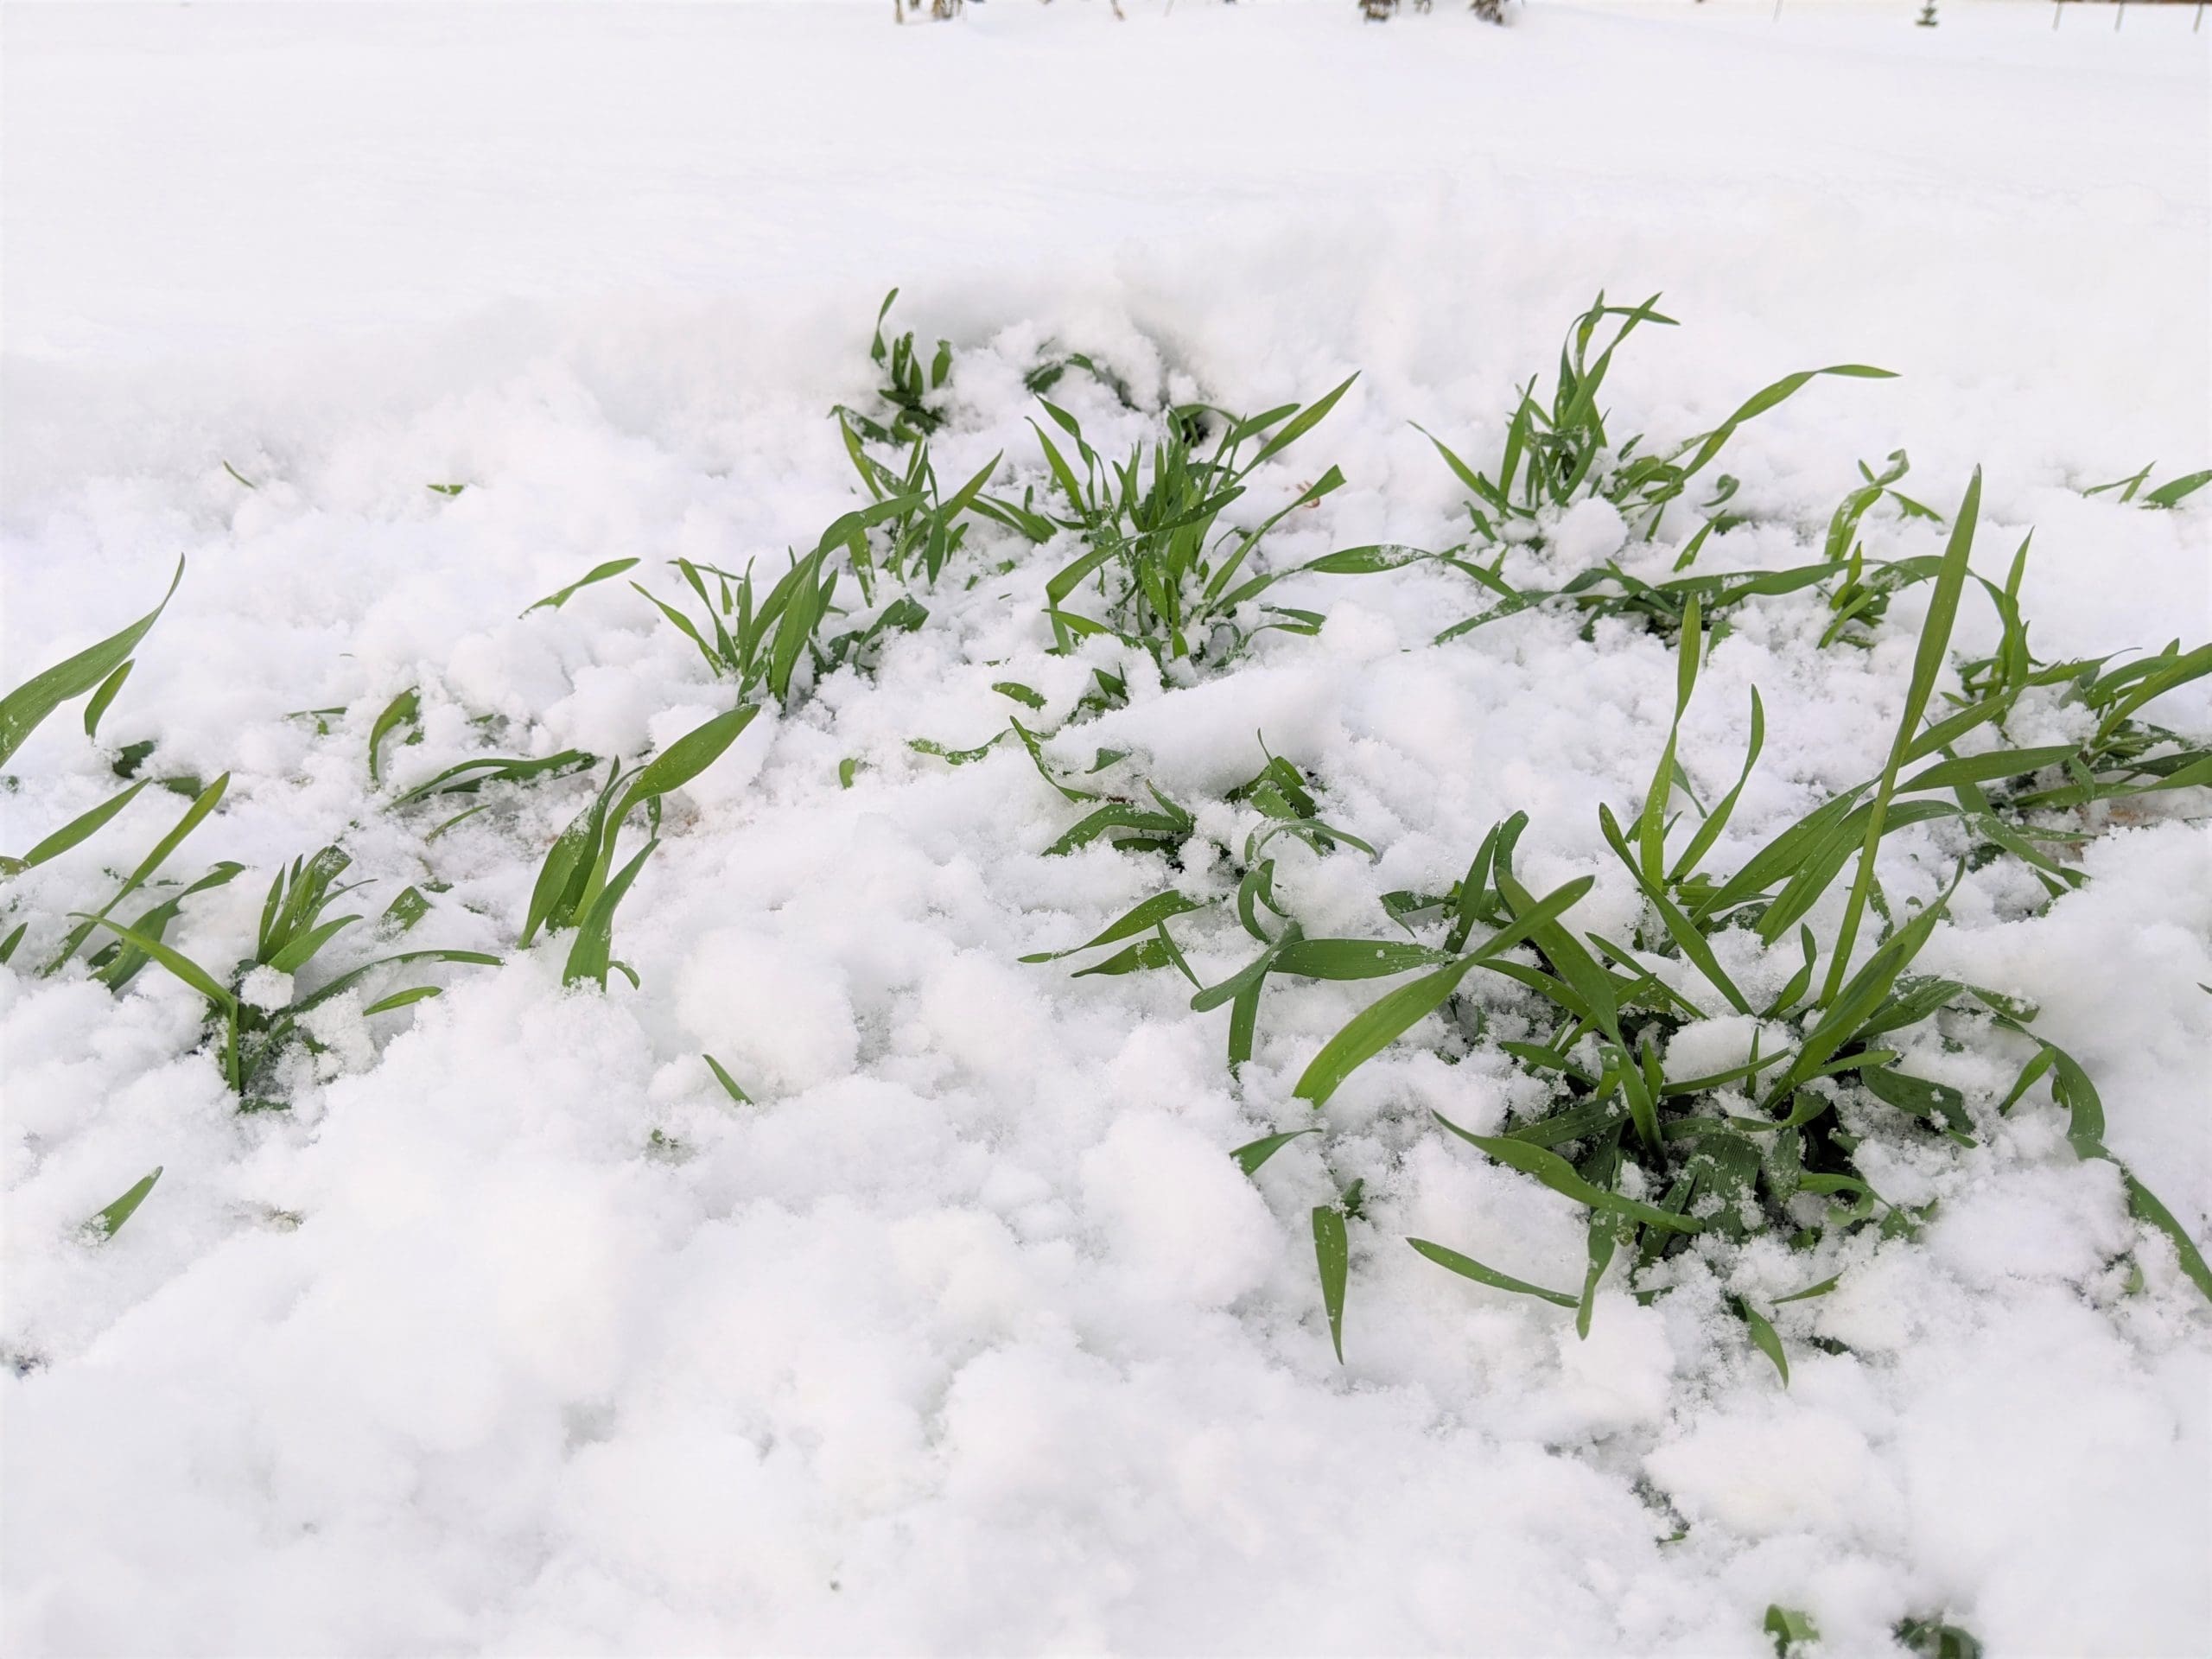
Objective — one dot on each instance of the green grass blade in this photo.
(588, 957)
(105, 696)
(401, 999)
(203, 804)
(1467, 1267)
(1253, 1153)
(729, 1083)
(1142, 920)
(1560, 1176)
(2170, 494)
(1763, 1335)
(1332, 1255)
(176, 961)
(1302, 422)
(109, 1222)
(23, 709)
(1381, 1023)
(1343, 959)
(1763, 400)
(556, 600)
(77, 830)
(1928, 663)
(402, 710)
(685, 759)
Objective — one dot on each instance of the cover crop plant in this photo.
(253, 1013)
(1769, 1143)
(1557, 450)
(1169, 578)
(578, 887)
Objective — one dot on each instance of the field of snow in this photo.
(514, 1333)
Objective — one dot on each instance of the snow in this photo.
(516, 1334)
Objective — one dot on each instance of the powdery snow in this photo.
(516, 1335)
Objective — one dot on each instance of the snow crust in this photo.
(516, 1335)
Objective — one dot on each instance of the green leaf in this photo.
(1810, 1291)
(103, 696)
(1381, 1023)
(1985, 768)
(1118, 815)
(954, 757)
(468, 777)
(352, 976)
(594, 944)
(401, 999)
(176, 961)
(729, 1083)
(1927, 663)
(1332, 1254)
(1467, 1267)
(109, 1222)
(2170, 494)
(1790, 1630)
(1021, 694)
(1938, 1103)
(1142, 920)
(1763, 1337)
(1557, 1174)
(566, 875)
(408, 908)
(1253, 1153)
(1302, 422)
(77, 830)
(1763, 400)
(193, 815)
(404, 709)
(1604, 1239)
(1932, 1638)
(1340, 959)
(23, 709)
(685, 759)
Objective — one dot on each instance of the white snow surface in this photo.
(966, 1336)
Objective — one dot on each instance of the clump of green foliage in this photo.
(1770, 1144)
(1558, 451)
(579, 888)
(252, 1039)
(1164, 570)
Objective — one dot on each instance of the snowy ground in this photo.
(968, 1336)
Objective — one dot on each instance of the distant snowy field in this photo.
(968, 1336)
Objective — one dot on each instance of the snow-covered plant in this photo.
(1769, 1142)
(1558, 451)
(1169, 576)
(578, 887)
(1283, 798)
(908, 388)
(255, 1013)
(96, 672)
(465, 779)
(911, 545)
(761, 642)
